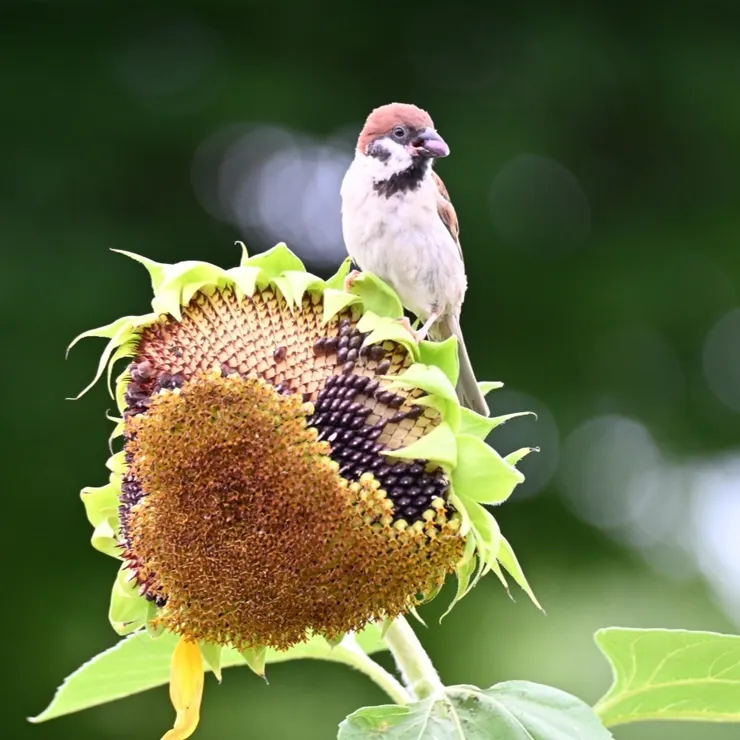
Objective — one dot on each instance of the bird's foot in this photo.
(417, 334)
(350, 280)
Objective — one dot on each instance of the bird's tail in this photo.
(467, 386)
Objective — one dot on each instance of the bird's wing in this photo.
(446, 211)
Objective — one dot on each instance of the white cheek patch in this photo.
(400, 158)
(396, 159)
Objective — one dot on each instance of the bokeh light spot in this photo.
(602, 460)
(716, 522)
(277, 184)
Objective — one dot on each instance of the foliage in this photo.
(658, 674)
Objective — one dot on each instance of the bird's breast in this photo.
(403, 240)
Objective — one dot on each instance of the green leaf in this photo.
(285, 288)
(275, 261)
(336, 281)
(118, 332)
(515, 710)
(126, 349)
(486, 386)
(463, 573)
(128, 609)
(514, 457)
(377, 296)
(507, 558)
(170, 282)
(439, 446)
(670, 675)
(431, 379)
(122, 382)
(116, 463)
(300, 282)
(448, 410)
(385, 328)
(212, 655)
(334, 641)
(415, 612)
(486, 530)
(155, 631)
(157, 270)
(255, 659)
(443, 355)
(101, 506)
(481, 426)
(184, 280)
(481, 537)
(482, 474)
(336, 301)
(428, 378)
(105, 332)
(139, 662)
(245, 278)
(245, 251)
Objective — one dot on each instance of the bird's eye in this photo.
(399, 132)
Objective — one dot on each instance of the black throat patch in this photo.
(406, 181)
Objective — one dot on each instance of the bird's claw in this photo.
(350, 280)
(417, 334)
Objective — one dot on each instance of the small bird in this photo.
(398, 223)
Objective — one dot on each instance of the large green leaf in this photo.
(139, 662)
(670, 674)
(515, 710)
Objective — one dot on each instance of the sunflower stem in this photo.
(365, 664)
(416, 669)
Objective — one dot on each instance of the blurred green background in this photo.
(594, 168)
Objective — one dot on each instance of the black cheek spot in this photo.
(379, 152)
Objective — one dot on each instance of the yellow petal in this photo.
(186, 689)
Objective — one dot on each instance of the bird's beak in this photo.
(429, 142)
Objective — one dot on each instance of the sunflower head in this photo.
(292, 462)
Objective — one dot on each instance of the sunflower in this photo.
(293, 463)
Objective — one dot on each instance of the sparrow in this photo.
(398, 222)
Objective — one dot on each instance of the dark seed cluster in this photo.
(149, 585)
(145, 381)
(342, 421)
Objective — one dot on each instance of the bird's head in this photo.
(400, 135)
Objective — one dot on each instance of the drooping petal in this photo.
(186, 689)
